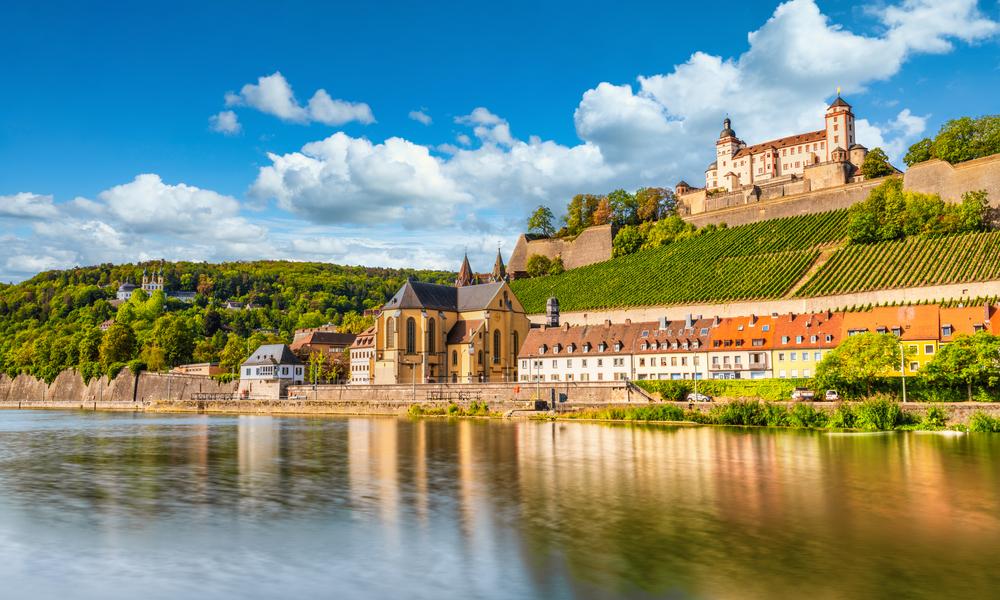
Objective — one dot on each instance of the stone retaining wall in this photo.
(69, 387)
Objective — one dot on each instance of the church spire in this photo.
(499, 270)
(465, 276)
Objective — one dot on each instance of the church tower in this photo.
(499, 270)
(465, 274)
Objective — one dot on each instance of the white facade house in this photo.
(674, 350)
(362, 358)
(584, 353)
(270, 370)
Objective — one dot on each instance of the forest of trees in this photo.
(52, 321)
(959, 140)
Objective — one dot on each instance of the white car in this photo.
(696, 397)
(831, 396)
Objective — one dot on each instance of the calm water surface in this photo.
(123, 506)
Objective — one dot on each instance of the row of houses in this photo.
(747, 347)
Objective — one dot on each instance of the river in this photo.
(111, 505)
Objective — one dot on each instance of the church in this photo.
(737, 165)
(433, 333)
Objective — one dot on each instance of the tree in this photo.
(317, 360)
(580, 213)
(541, 221)
(972, 213)
(859, 361)
(665, 231)
(624, 208)
(233, 354)
(556, 266)
(628, 240)
(918, 152)
(876, 164)
(118, 345)
(654, 203)
(602, 214)
(172, 333)
(538, 265)
(970, 360)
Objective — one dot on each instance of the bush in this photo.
(136, 366)
(843, 417)
(651, 413)
(879, 414)
(775, 415)
(935, 418)
(669, 391)
(981, 422)
(739, 412)
(453, 409)
(114, 369)
(805, 416)
(538, 265)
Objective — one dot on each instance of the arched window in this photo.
(496, 346)
(454, 358)
(411, 335)
(390, 333)
(517, 345)
(480, 357)
(431, 336)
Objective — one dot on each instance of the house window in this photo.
(411, 335)
(496, 346)
(781, 356)
(583, 363)
(431, 336)
(785, 339)
(798, 339)
(524, 364)
(600, 363)
(791, 356)
(914, 366)
(929, 349)
(817, 356)
(555, 363)
(569, 363)
(248, 372)
(946, 330)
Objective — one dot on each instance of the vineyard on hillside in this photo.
(756, 261)
(914, 261)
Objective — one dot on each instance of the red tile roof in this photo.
(913, 322)
(792, 140)
(742, 332)
(809, 326)
(565, 336)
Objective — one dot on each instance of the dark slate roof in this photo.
(273, 354)
(417, 294)
(127, 287)
(463, 331)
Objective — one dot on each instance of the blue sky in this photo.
(199, 130)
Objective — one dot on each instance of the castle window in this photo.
(836, 127)
(836, 138)
(797, 164)
(411, 335)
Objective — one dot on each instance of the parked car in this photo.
(803, 394)
(696, 397)
(832, 396)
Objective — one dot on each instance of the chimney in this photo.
(716, 321)
(607, 323)
(663, 323)
(552, 312)
(753, 319)
(688, 321)
(565, 326)
(628, 321)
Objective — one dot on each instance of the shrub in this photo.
(775, 415)
(843, 418)
(879, 414)
(935, 418)
(115, 368)
(739, 412)
(983, 423)
(805, 416)
(453, 409)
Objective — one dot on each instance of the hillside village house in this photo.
(325, 340)
(915, 326)
(362, 358)
(802, 340)
(741, 348)
(581, 353)
(673, 350)
(469, 332)
(269, 371)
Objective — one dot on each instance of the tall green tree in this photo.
(624, 208)
(118, 345)
(918, 152)
(541, 221)
(970, 360)
(876, 164)
(859, 361)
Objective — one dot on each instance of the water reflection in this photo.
(258, 507)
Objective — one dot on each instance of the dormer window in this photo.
(813, 338)
(977, 328)
(571, 348)
(674, 345)
(645, 346)
(946, 330)
(785, 339)
(618, 346)
(603, 347)
(556, 349)
(798, 339)
(542, 349)
(645, 333)
(882, 330)
(739, 328)
(896, 331)
(704, 331)
(765, 328)
(829, 338)
(586, 347)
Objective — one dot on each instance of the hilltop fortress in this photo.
(802, 174)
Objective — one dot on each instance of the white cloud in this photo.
(25, 205)
(421, 116)
(272, 94)
(224, 122)
(325, 109)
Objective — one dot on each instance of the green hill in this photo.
(756, 261)
(51, 321)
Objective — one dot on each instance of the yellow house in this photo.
(915, 326)
(431, 333)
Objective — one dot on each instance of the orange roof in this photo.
(365, 339)
(910, 322)
(966, 320)
(748, 333)
(658, 340)
(792, 140)
(813, 328)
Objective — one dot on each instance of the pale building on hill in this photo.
(362, 358)
(269, 371)
(737, 165)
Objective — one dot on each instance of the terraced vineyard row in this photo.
(911, 262)
(756, 261)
